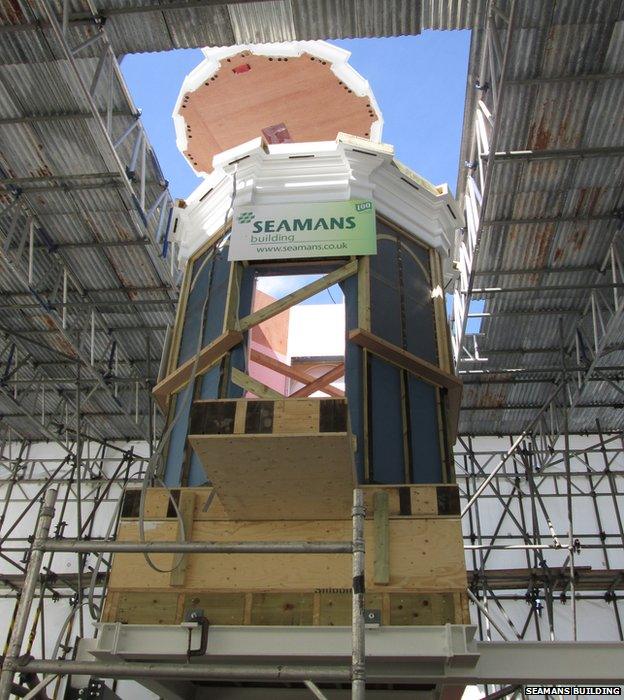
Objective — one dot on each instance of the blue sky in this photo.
(419, 83)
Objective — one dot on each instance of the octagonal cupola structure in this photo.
(287, 93)
(278, 405)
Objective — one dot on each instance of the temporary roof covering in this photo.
(545, 234)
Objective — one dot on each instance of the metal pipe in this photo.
(34, 691)
(28, 592)
(358, 651)
(486, 612)
(314, 689)
(52, 545)
(104, 669)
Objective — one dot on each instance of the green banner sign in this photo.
(303, 230)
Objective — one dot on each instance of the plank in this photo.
(364, 314)
(424, 500)
(183, 298)
(424, 370)
(208, 357)
(441, 325)
(296, 417)
(425, 554)
(289, 371)
(244, 381)
(300, 295)
(233, 297)
(326, 608)
(382, 530)
(152, 609)
(186, 506)
(321, 383)
(279, 476)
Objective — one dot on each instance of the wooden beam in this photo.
(262, 391)
(382, 544)
(364, 312)
(290, 371)
(300, 295)
(422, 369)
(186, 507)
(233, 297)
(320, 383)
(208, 357)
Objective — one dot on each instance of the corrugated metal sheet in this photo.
(146, 25)
(64, 173)
(519, 338)
(551, 39)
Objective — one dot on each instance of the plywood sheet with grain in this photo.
(424, 555)
(327, 608)
(158, 506)
(279, 476)
(251, 93)
(420, 501)
(296, 416)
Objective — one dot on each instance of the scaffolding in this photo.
(539, 457)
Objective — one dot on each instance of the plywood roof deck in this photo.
(250, 93)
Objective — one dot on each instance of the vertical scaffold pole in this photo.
(358, 653)
(28, 592)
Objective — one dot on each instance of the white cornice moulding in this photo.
(348, 168)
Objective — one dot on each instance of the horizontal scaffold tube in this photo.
(132, 669)
(54, 545)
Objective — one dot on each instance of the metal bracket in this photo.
(197, 616)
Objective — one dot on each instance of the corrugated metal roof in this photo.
(538, 275)
(58, 168)
(520, 332)
(146, 25)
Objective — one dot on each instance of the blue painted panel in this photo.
(177, 440)
(386, 429)
(419, 314)
(210, 281)
(202, 274)
(402, 314)
(385, 296)
(425, 445)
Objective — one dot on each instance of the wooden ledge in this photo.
(208, 357)
(428, 372)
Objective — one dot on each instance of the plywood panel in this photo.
(186, 508)
(157, 504)
(282, 609)
(303, 93)
(422, 500)
(331, 608)
(296, 416)
(424, 555)
(279, 476)
(147, 609)
(218, 608)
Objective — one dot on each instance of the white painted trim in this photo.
(330, 171)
